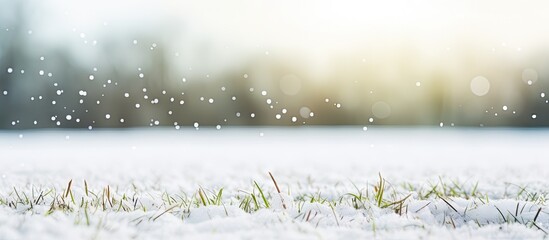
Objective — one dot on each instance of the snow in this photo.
(325, 163)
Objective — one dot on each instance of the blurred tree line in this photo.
(118, 83)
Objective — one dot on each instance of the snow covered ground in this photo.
(207, 183)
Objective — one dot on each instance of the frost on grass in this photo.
(376, 209)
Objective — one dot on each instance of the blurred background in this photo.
(88, 64)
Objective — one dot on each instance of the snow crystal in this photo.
(529, 76)
(381, 109)
(294, 119)
(210, 100)
(278, 116)
(41, 72)
(480, 86)
(290, 84)
(534, 116)
(137, 105)
(305, 112)
(91, 77)
(68, 117)
(107, 116)
(504, 108)
(10, 70)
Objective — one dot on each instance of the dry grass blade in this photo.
(504, 219)
(165, 211)
(452, 221)
(450, 205)
(537, 215)
(68, 188)
(86, 188)
(278, 190)
(308, 216)
(515, 217)
(423, 207)
(540, 228)
(516, 210)
(274, 181)
(17, 194)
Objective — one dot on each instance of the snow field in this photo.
(206, 184)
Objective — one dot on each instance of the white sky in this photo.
(325, 23)
(315, 29)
